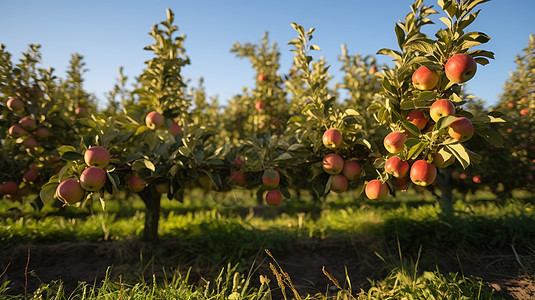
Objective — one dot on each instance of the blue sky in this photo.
(110, 34)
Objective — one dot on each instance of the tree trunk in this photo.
(152, 213)
(446, 200)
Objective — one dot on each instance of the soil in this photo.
(27, 266)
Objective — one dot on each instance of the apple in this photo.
(376, 190)
(423, 173)
(42, 133)
(70, 191)
(462, 176)
(93, 179)
(417, 118)
(15, 105)
(97, 156)
(136, 184)
(510, 105)
(261, 77)
(30, 143)
(27, 123)
(238, 162)
(260, 106)
(402, 183)
(9, 187)
(274, 197)
(175, 129)
(339, 183)
(441, 108)
(424, 79)
(271, 178)
(332, 138)
(30, 176)
(333, 163)
(80, 111)
(476, 179)
(238, 178)
(351, 170)
(524, 111)
(17, 131)
(154, 120)
(394, 142)
(460, 68)
(397, 167)
(461, 129)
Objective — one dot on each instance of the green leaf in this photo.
(446, 21)
(48, 191)
(395, 54)
(491, 136)
(294, 147)
(352, 112)
(315, 47)
(460, 153)
(400, 34)
(411, 128)
(444, 122)
(415, 150)
(149, 165)
(426, 96)
(284, 156)
(66, 148)
(407, 105)
(72, 156)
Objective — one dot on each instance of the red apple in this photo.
(175, 129)
(15, 105)
(27, 123)
(332, 138)
(261, 77)
(30, 143)
(42, 133)
(462, 176)
(136, 184)
(394, 142)
(97, 156)
(402, 183)
(9, 187)
(424, 79)
(17, 131)
(441, 108)
(93, 179)
(476, 179)
(70, 191)
(30, 176)
(461, 129)
(271, 178)
(238, 162)
(397, 167)
(510, 105)
(80, 111)
(154, 120)
(417, 118)
(351, 170)
(376, 190)
(339, 183)
(274, 198)
(524, 111)
(238, 178)
(460, 68)
(423, 173)
(260, 106)
(333, 163)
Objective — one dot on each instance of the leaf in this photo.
(48, 191)
(315, 47)
(66, 148)
(284, 156)
(328, 185)
(482, 61)
(460, 153)
(415, 150)
(149, 165)
(395, 54)
(352, 112)
(400, 34)
(411, 128)
(446, 21)
(444, 122)
(72, 156)
(407, 105)
(426, 96)
(295, 147)
(491, 136)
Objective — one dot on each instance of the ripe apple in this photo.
(238, 178)
(154, 120)
(93, 179)
(460, 68)
(397, 167)
(417, 118)
(339, 183)
(260, 106)
(261, 77)
(9, 187)
(462, 176)
(80, 111)
(15, 105)
(524, 111)
(376, 190)
(351, 170)
(70, 191)
(332, 138)
(476, 179)
(441, 108)
(30, 143)
(238, 162)
(461, 129)
(17, 131)
(274, 197)
(424, 79)
(97, 156)
(423, 173)
(394, 142)
(271, 178)
(30, 176)
(136, 184)
(27, 123)
(510, 105)
(42, 133)
(175, 129)
(333, 163)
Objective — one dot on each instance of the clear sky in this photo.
(110, 34)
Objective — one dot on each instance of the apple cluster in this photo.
(155, 120)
